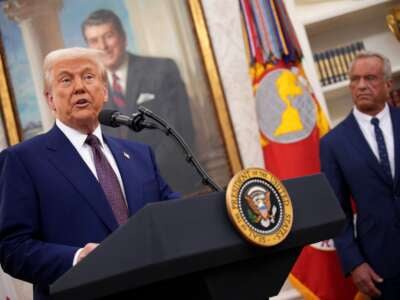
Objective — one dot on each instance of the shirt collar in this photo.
(121, 71)
(76, 137)
(364, 118)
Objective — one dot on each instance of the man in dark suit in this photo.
(361, 159)
(148, 81)
(63, 192)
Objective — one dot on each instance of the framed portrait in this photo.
(3, 140)
(168, 39)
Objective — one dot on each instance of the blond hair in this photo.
(53, 57)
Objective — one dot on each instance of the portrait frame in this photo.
(7, 107)
(10, 113)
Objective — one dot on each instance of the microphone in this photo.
(136, 122)
(114, 118)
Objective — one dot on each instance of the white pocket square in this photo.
(144, 97)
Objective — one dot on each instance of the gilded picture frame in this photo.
(11, 118)
(8, 119)
(393, 21)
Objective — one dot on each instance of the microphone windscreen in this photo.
(106, 117)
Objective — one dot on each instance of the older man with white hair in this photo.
(63, 192)
(360, 158)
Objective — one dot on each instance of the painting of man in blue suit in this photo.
(361, 159)
(63, 192)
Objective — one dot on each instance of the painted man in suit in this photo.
(63, 192)
(148, 81)
(361, 159)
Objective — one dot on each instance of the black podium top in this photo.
(170, 239)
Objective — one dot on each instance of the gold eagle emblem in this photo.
(260, 204)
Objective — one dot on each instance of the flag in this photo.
(291, 122)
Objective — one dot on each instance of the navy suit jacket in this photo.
(161, 78)
(354, 171)
(51, 204)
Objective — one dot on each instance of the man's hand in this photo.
(364, 278)
(86, 250)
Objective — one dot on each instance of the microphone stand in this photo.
(139, 123)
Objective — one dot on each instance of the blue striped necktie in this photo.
(108, 180)
(380, 140)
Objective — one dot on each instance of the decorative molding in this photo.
(224, 26)
(215, 84)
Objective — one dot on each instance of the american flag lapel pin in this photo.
(127, 156)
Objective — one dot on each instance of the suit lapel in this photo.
(129, 172)
(357, 139)
(133, 83)
(394, 114)
(67, 160)
(132, 86)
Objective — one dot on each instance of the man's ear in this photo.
(125, 41)
(389, 84)
(105, 93)
(50, 100)
(389, 87)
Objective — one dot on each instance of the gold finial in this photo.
(393, 21)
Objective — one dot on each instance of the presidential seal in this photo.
(259, 207)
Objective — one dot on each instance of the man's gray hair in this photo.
(387, 67)
(53, 57)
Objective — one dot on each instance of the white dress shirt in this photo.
(78, 139)
(385, 123)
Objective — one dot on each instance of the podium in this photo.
(188, 249)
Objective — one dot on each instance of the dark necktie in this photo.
(380, 140)
(108, 181)
(117, 94)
